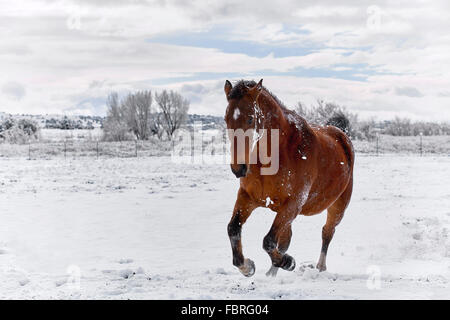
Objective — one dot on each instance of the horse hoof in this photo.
(272, 271)
(248, 268)
(288, 263)
(321, 267)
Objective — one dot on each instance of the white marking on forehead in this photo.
(236, 113)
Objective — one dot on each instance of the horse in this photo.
(315, 173)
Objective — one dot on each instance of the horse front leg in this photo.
(279, 253)
(242, 210)
(277, 241)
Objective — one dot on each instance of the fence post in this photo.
(377, 142)
(421, 150)
(135, 141)
(97, 148)
(29, 149)
(65, 149)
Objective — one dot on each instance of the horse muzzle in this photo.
(241, 171)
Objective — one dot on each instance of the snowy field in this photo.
(145, 228)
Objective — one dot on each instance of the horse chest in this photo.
(268, 191)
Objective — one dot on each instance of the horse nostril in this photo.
(244, 170)
(241, 172)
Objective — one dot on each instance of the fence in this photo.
(426, 145)
(81, 149)
(418, 145)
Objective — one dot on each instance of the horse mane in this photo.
(240, 89)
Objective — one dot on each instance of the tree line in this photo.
(142, 114)
(323, 113)
(67, 123)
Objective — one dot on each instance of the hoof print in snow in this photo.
(221, 271)
(310, 274)
(417, 236)
(125, 261)
(24, 281)
(305, 266)
(60, 282)
(126, 273)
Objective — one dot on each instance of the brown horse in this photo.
(315, 173)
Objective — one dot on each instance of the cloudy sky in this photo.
(378, 58)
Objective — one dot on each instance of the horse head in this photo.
(245, 121)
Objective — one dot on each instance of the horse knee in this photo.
(234, 228)
(269, 243)
(328, 231)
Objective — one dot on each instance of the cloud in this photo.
(69, 54)
(408, 91)
(14, 90)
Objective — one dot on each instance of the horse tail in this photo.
(341, 121)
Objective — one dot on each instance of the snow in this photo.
(258, 132)
(145, 228)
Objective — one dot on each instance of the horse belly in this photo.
(327, 188)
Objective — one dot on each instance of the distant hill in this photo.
(59, 121)
(65, 122)
(208, 122)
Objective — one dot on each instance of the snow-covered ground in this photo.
(145, 228)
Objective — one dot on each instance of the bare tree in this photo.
(400, 127)
(137, 109)
(115, 127)
(129, 116)
(113, 105)
(366, 129)
(156, 124)
(174, 109)
(329, 113)
(134, 115)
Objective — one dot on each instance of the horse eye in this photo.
(250, 120)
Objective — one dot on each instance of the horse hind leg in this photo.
(334, 216)
(333, 219)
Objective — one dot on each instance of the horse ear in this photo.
(257, 88)
(259, 85)
(227, 88)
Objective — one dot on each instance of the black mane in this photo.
(240, 89)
